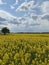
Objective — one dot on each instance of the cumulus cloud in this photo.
(3, 23)
(34, 23)
(31, 23)
(2, 19)
(13, 22)
(17, 1)
(45, 7)
(46, 17)
(12, 7)
(26, 6)
(6, 15)
(1, 2)
(7, 19)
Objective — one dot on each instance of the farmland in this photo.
(24, 49)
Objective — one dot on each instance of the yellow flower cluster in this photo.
(24, 49)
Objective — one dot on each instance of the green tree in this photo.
(5, 30)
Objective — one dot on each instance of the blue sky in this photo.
(25, 15)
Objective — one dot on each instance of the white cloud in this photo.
(6, 15)
(44, 25)
(1, 2)
(16, 2)
(12, 7)
(34, 23)
(7, 18)
(26, 6)
(22, 7)
(45, 7)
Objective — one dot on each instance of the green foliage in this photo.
(5, 30)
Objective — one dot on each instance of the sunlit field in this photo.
(24, 49)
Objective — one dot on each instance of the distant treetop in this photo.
(5, 30)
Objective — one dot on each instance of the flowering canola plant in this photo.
(24, 49)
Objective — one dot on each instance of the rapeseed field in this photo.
(24, 49)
